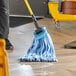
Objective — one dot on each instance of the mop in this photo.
(42, 48)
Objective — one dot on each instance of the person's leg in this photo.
(4, 23)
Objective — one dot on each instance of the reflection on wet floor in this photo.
(22, 37)
(31, 69)
(21, 70)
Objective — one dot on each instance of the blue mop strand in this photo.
(41, 50)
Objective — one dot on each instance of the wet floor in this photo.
(22, 37)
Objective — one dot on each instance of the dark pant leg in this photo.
(4, 19)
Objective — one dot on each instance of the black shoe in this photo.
(9, 46)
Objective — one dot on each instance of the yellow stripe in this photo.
(28, 6)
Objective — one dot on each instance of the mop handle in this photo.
(28, 6)
(31, 12)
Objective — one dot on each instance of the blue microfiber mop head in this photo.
(41, 50)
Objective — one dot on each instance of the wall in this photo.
(18, 7)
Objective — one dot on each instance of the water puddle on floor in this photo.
(21, 70)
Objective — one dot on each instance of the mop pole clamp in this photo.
(38, 28)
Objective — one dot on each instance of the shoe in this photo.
(9, 46)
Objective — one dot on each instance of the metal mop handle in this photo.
(32, 14)
(59, 5)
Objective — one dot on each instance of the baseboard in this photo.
(26, 16)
